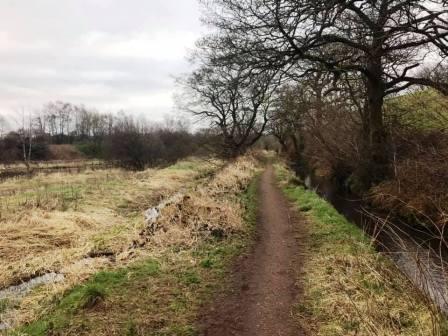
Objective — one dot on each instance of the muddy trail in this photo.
(265, 283)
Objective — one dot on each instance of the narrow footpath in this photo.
(265, 283)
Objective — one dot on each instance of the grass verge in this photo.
(349, 288)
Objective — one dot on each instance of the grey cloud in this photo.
(108, 54)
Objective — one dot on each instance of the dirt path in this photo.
(264, 282)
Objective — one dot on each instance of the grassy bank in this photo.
(349, 288)
(187, 260)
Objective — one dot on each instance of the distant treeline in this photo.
(121, 138)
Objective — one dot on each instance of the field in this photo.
(49, 167)
(75, 225)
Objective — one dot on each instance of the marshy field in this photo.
(113, 228)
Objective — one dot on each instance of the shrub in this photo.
(91, 149)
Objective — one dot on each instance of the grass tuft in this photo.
(92, 296)
(131, 329)
(4, 305)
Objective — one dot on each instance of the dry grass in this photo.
(107, 219)
(81, 164)
(363, 295)
(55, 222)
(211, 209)
(189, 247)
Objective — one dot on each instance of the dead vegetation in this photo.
(209, 210)
(417, 191)
(100, 233)
(36, 168)
(44, 228)
(64, 152)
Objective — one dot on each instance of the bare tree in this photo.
(307, 121)
(287, 121)
(3, 125)
(58, 116)
(383, 42)
(25, 133)
(41, 123)
(233, 99)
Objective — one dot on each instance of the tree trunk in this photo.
(284, 146)
(374, 165)
(26, 158)
(299, 147)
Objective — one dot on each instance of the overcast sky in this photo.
(106, 54)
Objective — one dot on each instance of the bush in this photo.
(39, 151)
(11, 149)
(91, 149)
(137, 147)
(133, 149)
